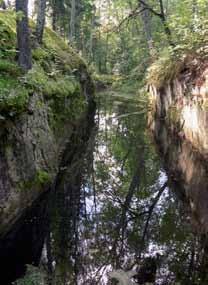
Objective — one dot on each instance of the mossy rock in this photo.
(53, 73)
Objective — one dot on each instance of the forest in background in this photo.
(124, 43)
(122, 37)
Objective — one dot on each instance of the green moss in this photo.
(36, 79)
(9, 68)
(64, 109)
(7, 34)
(52, 86)
(40, 54)
(52, 75)
(33, 276)
(61, 49)
(8, 18)
(13, 97)
(41, 179)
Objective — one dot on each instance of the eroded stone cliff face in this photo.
(179, 120)
(39, 112)
(188, 172)
(183, 105)
(30, 154)
(26, 228)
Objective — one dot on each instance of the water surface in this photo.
(117, 204)
(118, 208)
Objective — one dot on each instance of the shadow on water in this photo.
(117, 205)
(23, 244)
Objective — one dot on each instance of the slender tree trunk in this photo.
(165, 24)
(162, 17)
(54, 15)
(72, 21)
(146, 19)
(23, 35)
(54, 20)
(99, 61)
(40, 20)
(93, 23)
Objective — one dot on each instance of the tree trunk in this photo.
(54, 14)
(54, 20)
(165, 24)
(72, 21)
(162, 17)
(92, 32)
(40, 20)
(146, 19)
(23, 35)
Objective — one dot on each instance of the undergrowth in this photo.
(191, 46)
(52, 75)
(33, 276)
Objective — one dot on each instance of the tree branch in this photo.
(150, 8)
(150, 211)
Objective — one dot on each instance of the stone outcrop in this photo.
(183, 105)
(30, 156)
(179, 121)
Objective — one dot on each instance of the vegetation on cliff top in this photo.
(188, 24)
(52, 75)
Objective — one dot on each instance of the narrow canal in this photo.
(116, 207)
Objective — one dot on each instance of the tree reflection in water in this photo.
(113, 210)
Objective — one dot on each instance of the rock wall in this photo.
(183, 105)
(23, 243)
(187, 170)
(179, 121)
(31, 153)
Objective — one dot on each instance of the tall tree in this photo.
(72, 20)
(146, 19)
(23, 35)
(40, 20)
(144, 6)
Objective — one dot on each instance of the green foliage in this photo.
(8, 37)
(19, 15)
(42, 178)
(126, 85)
(51, 86)
(36, 79)
(33, 277)
(188, 23)
(9, 68)
(52, 73)
(40, 54)
(13, 97)
(63, 54)
(106, 80)
(165, 68)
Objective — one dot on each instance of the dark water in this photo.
(117, 204)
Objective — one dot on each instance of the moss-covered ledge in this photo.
(38, 113)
